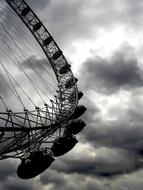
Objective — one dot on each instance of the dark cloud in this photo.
(63, 181)
(122, 137)
(116, 143)
(98, 162)
(66, 20)
(52, 176)
(38, 5)
(7, 169)
(17, 187)
(110, 75)
(132, 13)
(82, 182)
(14, 183)
(119, 134)
(9, 179)
(125, 132)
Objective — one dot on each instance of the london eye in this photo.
(39, 100)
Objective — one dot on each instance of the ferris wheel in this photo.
(36, 133)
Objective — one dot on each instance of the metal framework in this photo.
(29, 130)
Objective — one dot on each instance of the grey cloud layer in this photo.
(103, 164)
(110, 75)
(38, 5)
(74, 20)
(116, 143)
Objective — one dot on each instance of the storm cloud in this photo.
(109, 155)
(38, 5)
(113, 74)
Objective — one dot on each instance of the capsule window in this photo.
(47, 41)
(64, 69)
(37, 26)
(63, 145)
(70, 83)
(57, 54)
(75, 127)
(25, 11)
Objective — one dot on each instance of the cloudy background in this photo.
(103, 41)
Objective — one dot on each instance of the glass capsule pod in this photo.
(79, 111)
(63, 145)
(75, 127)
(34, 165)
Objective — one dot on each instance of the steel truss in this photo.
(29, 130)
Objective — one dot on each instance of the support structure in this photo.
(26, 131)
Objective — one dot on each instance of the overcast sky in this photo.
(103, 41)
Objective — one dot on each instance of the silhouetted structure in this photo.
(38, 135)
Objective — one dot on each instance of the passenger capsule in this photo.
(47, 41)
(70, 83)
(72, 97)
(25, 11)
(78, 111)
(63, 145)
(37, 26)
(75, 127)
(64, 69)
(57, 54)
(34, 165)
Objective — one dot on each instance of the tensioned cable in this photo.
(30, 65)
(22, 52)
(40, 137)
(44, 69)
(7, 73)
(23, 31)
(17, 85)
(4, 103)
(53, 78)
(31, 81)
(15, 20)
(8, 84)
(42, 79)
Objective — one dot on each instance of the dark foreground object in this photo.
(63, 145)
(34, 165)
(79, 111)
(75, 127)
